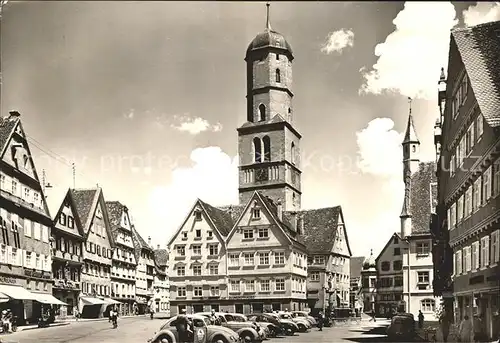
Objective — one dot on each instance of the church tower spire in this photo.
(268, 143)
(411, 161)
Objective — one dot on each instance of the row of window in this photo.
(480, 254)
(213, 269)
(14, 187)
(396, 265)
(251, 233)
(31, 228)
(396, 281)
(22, 258)
(94, 289)
(479, 193)
(390, 297)
(98, 229)
(460, 96)
(61, 272)
(125, 239)
(102, 251)
(466, 144)
(68, 245)
(125, 272)
(237, 286)
(37, 285)
(67, 220)
(198, 233)
(264, 258)
(96, 270)
(127, 255)
(213, 250)
(122, 289)
(316, 276)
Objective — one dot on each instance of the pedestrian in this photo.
(321, 320)
(182, 325)
(76, 314)
(420, 319)
(444, 321)
(373, 316)
(465, 330)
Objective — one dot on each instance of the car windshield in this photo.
(285, 316)
(229, 318)
(240, 319)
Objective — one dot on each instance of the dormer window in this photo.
(197, 216)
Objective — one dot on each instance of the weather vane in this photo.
(409, 101)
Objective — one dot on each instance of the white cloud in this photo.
(212, 177)
(338, 41)
(130, 114)
(195, 125)
(483, 12)
(379, 148)
(411, 57)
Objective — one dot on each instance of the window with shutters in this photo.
(486, 185)
(453, 215)
(475, 255)
(459, 262)
(460, 209)
(468, 202)
(467, 259)
(496, 178)
(485, 251)
(495, 246)
(479, 125)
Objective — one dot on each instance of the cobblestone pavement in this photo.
(139, 329)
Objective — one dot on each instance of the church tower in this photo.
(411, 161)
(268, 143)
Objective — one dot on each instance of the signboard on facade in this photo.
(10, 280)
(237, 297)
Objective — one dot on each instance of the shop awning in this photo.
(48, 299)
(4, 298)
(17, 292)
(92, 301)
(109, 301)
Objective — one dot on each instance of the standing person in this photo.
(76, 313)
(444, 321)
(321, 320)
(478, 329)
(420, 319)
(182, 326)
(213, 318)
(372, 315)
(465, 330)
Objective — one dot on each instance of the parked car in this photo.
(288, 325)
(273, 325)
(202, 327)
(248, 331)
(402, 328)
(305, 315)
(303, 324)
(263, 327)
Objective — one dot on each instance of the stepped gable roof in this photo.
(161, 257)
(479, 48)
(422, 197)
(356, 265)
(84, 200)
(319, 229)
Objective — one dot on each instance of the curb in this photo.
(36, 327)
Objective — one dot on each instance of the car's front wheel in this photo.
(247, 337)
(220, 339)
(302, 327)
(163, 339)
(289, 331)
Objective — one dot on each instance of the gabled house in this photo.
(25, 224)
(144, 276)
(197, 255)
(68, 239)
(324, 235)
(389, 264)
(124, 264)
(96, 276)
(267, 264)
(161, 283)
(467, 229)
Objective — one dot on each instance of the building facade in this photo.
(68, 238)
(356, 286)
(25, 254)
(267, 265)
(97, 253)
(161, 283)
(329, 258)
(369, 284)
(123, 276)
(145, 271)
(469, 174)
(390, 277)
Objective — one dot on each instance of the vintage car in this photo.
(302, 323)
(203, 331)
(305, 315)
(248, 331)
(402, 328)
(288, 326)
(272, 324)
(263, 327)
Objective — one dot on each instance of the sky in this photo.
(145, 98)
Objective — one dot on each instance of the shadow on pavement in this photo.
(380, 330)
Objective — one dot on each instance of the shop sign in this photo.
(36, 274)
(10, 280)
(476, 279)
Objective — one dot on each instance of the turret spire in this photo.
(410, 134)
(268, 20)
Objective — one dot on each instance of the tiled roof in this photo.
(84, 199)
(139, 242)
(161, 257)
(319, 229)
(69, 201)
(421, 197)
(223, 219)
(115, 212)
(479, 47)
(356, 265)
(234, 210)
(7, 126)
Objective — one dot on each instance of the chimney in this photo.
(149, 241)
(279, 207)
(158, 247)
(15, 114)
